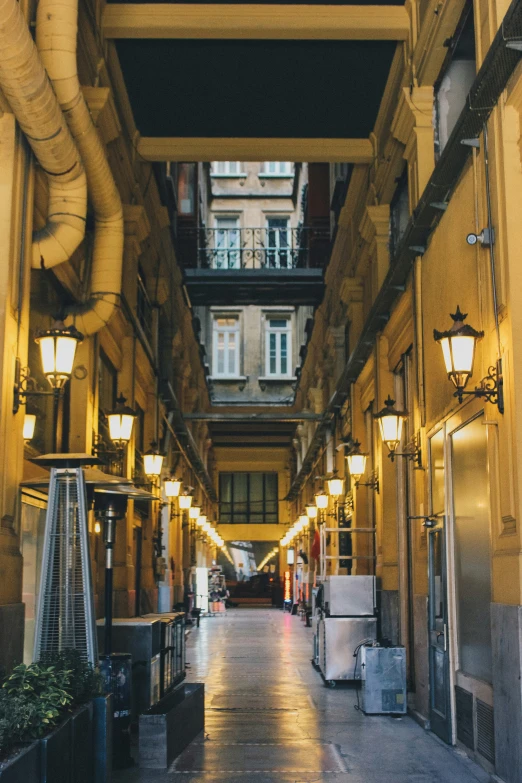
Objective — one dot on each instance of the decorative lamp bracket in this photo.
(491, 387)
(25, 386)
(413, 452)
(373, 483)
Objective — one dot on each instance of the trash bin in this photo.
(116, 671)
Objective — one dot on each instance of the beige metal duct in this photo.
(32, 100)
(56, 34)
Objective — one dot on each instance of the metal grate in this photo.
(464, 706)
(65, 615)
(485, 731)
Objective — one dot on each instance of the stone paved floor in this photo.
(269, 717)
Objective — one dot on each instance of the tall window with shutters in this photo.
(278, 347)
(225, 360)
(277, 168)
(226, 168)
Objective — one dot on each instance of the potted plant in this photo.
(50, 702)
(84, 686)
(32, 702)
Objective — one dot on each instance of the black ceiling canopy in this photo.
(272, 2)
(255, 89)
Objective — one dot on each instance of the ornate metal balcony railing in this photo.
(254, 248)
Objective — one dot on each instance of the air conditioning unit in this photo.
(383, 680)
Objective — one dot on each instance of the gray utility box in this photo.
(141, 637)
(349, 596)
(383, 675)
(338, 638)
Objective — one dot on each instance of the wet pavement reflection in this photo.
(269, 717)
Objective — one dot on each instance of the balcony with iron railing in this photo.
(254, 265)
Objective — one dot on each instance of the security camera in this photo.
(486, 237)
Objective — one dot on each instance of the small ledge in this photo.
(277, 379)
(228, 378)
(276, 176)
(233, 176)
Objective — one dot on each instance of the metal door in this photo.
(438, 641)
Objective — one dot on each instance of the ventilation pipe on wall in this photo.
(56, 36)
(32, 101)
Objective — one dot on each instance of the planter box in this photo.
(102, 731)
(24, 767)
(167, 728)
(82, 745)
(56, 754)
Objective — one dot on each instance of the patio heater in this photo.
(65, 612)
(110, 502)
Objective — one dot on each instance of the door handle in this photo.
(444, 636)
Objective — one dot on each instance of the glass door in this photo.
(278, 251)
(438, 638)
(227, 253)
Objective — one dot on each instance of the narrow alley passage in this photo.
(269, 717)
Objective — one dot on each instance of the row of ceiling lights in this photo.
(273, 552)
(172, 488)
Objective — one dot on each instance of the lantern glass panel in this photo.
(65, 351)
(335, 487)
(194, 512)
(185, 501)
(321, 500)
(356, 464)
(47, 355)
(152, 464)
(391, 430)
(172, 488)
(29, 426)
(311, 512)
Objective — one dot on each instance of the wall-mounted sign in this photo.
(288, 586)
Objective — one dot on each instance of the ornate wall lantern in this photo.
(311, 511)
(172, 487)
(321, 500)
(57, 351)
(391, 423)
(121, 422)
(185, 501)
(458, 348)
(335, 486)
(357, 466)
(152, 461)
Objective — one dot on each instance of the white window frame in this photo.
(227, 168)
(226, 331)
(276, 248)
(280, 168)
(230, 252)
(278, 331)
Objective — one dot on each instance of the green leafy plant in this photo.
(85, 681)
(34, 698)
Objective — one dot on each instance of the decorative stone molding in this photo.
(316, 398)
(375, 230)
(412, 125)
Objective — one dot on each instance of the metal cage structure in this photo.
(65, 611)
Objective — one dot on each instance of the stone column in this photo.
(16, 215)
